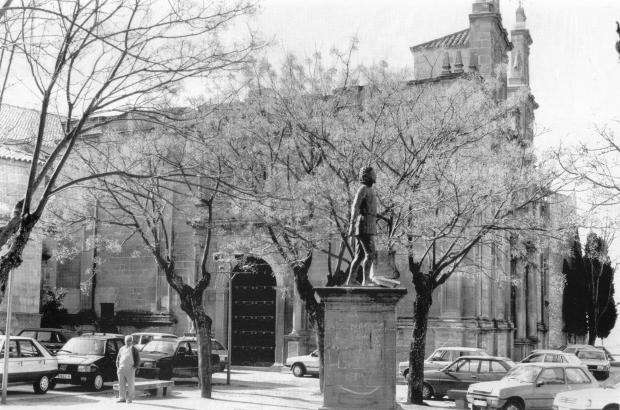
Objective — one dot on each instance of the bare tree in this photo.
(453, 173)
(88, 59)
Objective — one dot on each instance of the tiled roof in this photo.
(8, 152)
(454, 40)
(19, 124)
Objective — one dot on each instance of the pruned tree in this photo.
(454, 176)
(88, 59)
(178, 182)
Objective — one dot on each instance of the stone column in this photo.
(533, 302)
(520, 299)
(360, 347)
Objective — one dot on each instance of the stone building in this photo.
(508, 308)
(18, 129)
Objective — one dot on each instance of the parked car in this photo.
(597, 362)
(51, 338)
(302, 365)
(613, 355)
(573, 348)
(140, 339)
(462, 372)
(530, 386)
(551, 356)
(89, 360)
(442, 357)
(222, 352)
(599, 398)
(29, 363)
(167, 358)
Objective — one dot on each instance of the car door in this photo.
(491, 370)
(15, 365)
(550, 382)
(460, 375)
(312, 363)
(181, 360)
(32, 361)
(109, 360)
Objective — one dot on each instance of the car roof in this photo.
(154, 334)
(101, 336)
(47, 329)
(484, 357)
(552, 364)
(550, 351)
(471, 349)
(17, 338)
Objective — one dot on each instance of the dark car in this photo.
(89, 360)
(164, 359)
(462, 372)
(52, 338)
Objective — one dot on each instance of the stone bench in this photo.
(153, 387)
(459, 397)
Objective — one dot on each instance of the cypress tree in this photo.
(575, 300)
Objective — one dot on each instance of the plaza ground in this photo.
(251, 388)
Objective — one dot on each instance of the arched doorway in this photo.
(253, 313)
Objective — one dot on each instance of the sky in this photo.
(574, 68)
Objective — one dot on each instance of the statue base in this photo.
(360, 347)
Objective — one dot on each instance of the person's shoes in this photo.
(120, 400)
(128, 401)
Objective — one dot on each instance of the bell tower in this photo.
(488, 39)
(520, 57)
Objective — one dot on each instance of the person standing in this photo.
(127, 362)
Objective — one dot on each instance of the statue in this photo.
(363, 227)
(618, 42)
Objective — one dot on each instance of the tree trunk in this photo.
(421, 307)
(12, 259)
(202, 324)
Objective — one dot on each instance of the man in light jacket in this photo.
(127, 362)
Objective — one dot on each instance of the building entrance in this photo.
(253, 314)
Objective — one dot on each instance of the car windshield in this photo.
(526, 374)
(28, 333)
(159, 346)
(79, 345)
(438, 355)
(591, 355)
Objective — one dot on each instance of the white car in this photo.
(302, 365)
(589, 399)
(442, 357)
(140, 339)
(221, 351)
(551, 356)
(29, 363)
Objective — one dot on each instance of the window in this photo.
(28, 349)
(555, 358)
(12, 350)
(497, 367)
(552, 376)
(61, 338)
(45, 337)
(468, 366)
(146, 339)
(534, 358)
(576, 376)
(215, 345)
(111, 348)
(193, 348)
(136, 339)
(29, 333)
(439, 355)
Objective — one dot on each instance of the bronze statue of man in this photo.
(363, 227)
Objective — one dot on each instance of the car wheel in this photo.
(298, 370)
(97, 383)
(42, 385)
(513, 405)
(611, 407)
(427, 391)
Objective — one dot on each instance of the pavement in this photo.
(250, 389)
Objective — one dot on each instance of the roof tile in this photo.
(454, 40)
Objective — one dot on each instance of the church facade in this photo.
(509, 308)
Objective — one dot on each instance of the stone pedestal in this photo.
(360, 347)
